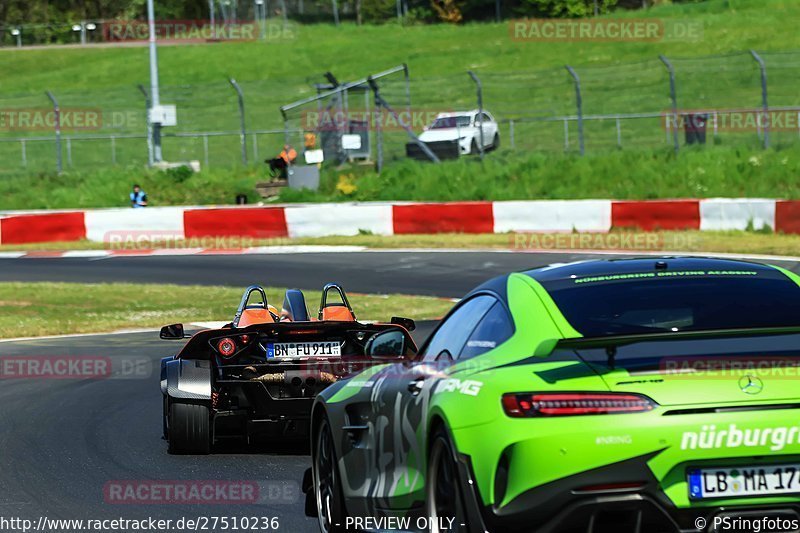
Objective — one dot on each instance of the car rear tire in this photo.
(327, 488)
(189, 428)
(165, 419)
(443, 498)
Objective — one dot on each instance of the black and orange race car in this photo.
(256, 377)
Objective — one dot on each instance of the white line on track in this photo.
(75, 335)
(324, 249)
(192, 325)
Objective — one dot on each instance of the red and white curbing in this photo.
(319, 220)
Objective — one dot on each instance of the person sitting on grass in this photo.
(138, 197)
(279, 164)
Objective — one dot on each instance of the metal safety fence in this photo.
(748, 98)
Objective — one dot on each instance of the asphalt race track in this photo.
(448, 274)
(440, 273)
(64, 442)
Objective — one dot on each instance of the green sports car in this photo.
(642, 395)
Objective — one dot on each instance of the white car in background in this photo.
(465, 127)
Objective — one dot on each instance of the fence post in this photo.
(57, 122)
(341, 126)
(764, 98)
(285, 126)
(566, 135)
(150, 160)
(407, 77)
(255, 147)
(24, 153)
(579, 103)
(480, 109)
(335, 12)
(69, 152)
(619, 134)
(674, 97)
(205, 150)
(378, 130)
(113, 150)
(243, 134)
(511, 134)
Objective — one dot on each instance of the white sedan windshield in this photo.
(451, 122)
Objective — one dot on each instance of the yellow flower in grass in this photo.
(346, 184)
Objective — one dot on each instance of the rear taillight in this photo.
(226, 347)
(523, 405)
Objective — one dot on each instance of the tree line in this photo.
(55, 13)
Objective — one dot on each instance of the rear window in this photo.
(645, 302)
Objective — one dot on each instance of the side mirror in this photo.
(407, 323)
(172, 332)
(389, 344)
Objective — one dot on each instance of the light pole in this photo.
(155, 101)
(17, 32)
(211, 12)
(149, 125)
(261, 18)
(90, 26)
(78, 29)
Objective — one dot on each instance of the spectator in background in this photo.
(282, 162)
(138, 197)
(310, 141)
